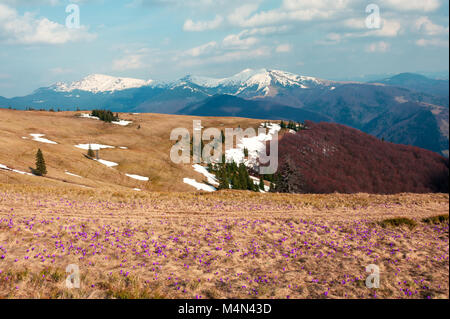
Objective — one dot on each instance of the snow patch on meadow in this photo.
(71, 174)
(94, 147)
(122, 122)
(199, 186)
(209, 176)
(254, 145)
(6, 168)
(140, 178)
(89, 116)
(39, 138)
(106, 163)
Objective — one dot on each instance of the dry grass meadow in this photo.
(224, 245)
(170, 241)
(147, 139)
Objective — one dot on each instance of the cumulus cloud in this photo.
(17, 3)
(202, 49)
(190, 25)
(380, 47)
(432, 43)
(236, 41)
(28, 29)
(426, 26)
(290, 10)
(283, 48)
(411, 5)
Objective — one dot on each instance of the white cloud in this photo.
(202, 49)
(31, 2)
(426, 26)
(133, 60)
(290, 10)
(432, 43)
(381, 47)
(190, 25)
(235, 40)
(226, 57)
(283, 48)
(411, 5)
(28, 29)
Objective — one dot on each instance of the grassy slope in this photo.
(148, 153)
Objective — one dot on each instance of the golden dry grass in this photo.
(228, 244)
(170, 241)
(147, 154)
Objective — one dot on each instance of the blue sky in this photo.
(167, 39)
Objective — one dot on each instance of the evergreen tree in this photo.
(235, 182)
(41, 169)
(90, 152)
(261, 183)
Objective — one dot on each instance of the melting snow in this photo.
(89, 116)
(14, 170)
(256, 181)
(107, 163)
(94, 146)
(122, 122)
(202, 170)
(199, 186)
(38, 138)
(254, 145)
(141, 178)
(71, 174)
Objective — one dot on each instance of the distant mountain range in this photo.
(405, 108)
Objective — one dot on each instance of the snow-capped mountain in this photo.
(394, 112)
(96, 83)
(260, 82)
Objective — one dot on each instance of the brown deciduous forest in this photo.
(327, 158)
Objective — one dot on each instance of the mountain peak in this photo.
(96, 83)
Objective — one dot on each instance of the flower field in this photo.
(222, 245)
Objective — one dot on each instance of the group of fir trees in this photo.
(105, 115)
(234, 176)
(291, 125)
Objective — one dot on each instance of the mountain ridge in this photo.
(376, 108)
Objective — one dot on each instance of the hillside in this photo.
(329, 158)
(140, 148)
(228, 105)
(376, 108)
(419, 83)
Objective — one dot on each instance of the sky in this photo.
(41, 42)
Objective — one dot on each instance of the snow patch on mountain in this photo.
(138, 177)
(254, 145)
(39, 138)
(96, 83)
(261, 79)
(199, 186)
(211, 178)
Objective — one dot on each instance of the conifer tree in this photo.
(90, 152)
(41, 169)
(261, 183)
